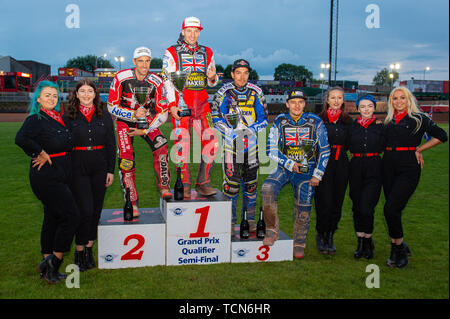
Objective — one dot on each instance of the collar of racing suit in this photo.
(294, 121)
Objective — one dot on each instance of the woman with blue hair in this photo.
(366, 143)
(45, 138)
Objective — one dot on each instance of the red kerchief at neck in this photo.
(365, 122)
(398, 116)
(54, 115)
(87, 111)
(333, 115)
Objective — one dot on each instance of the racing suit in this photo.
(122, 105)
(242, 140)
(284, 148)
(196, 60)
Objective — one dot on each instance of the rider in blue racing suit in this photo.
(298, 142)
(241, 161)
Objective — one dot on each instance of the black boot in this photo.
(79, 260)
(51, 273)
(89, 258)
(368, 247)
(321, 243)
(399, 255)
(42, 267)
(359, 249)
(393, 258)
(408, 251)
(402, 255)
(330, 243)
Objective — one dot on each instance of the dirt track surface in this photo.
(13, 117)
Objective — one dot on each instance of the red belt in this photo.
(87, 148)
(58, 154)
(365, 154)
(337, 151)
(406, 148)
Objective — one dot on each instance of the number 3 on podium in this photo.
(264, 253)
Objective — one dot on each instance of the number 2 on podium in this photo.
(131, 254)
(203, 211)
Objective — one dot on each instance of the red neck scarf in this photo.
(398, 116)
(54, 115)
(87, 111)
(365, 122)
(333, 115)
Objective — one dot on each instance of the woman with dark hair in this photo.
(329, 195)
(93, 159)
(366, 143)
(405, 127)
(47, 140)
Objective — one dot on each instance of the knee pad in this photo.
(251, 188)
(126, 165)
(159, 142)
(230, 190)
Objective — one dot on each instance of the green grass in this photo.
(425, 219)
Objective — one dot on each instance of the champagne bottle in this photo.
(245, 228)
(178, 190)
(128, 208)
(261, 226)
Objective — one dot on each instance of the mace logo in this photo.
(109, 258)
(241, 252)
(178, 211)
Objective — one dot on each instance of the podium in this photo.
(198, 230)
(253, 250)
(188, 232)
(138, 243)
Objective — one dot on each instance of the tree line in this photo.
(283, 72)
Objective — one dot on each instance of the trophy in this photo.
(178, 80)
(234, 118)
(306, 145)
(142, 96)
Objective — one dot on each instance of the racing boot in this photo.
(270, 238)
(301, 226)
(187, 191)
(205, 189)
(299, 252)
(165, 193)
(271, 220)
(330, 243)
(202, 185)
(359, 249)
(368, 247)
(252, 226)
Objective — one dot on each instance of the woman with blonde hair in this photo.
(405, 126)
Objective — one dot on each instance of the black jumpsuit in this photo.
(365, 174)
(93, 156)
(401, 172)
(329, 195)
(51, 183)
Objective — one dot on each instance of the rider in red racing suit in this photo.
(188, 55)
(123, 105)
